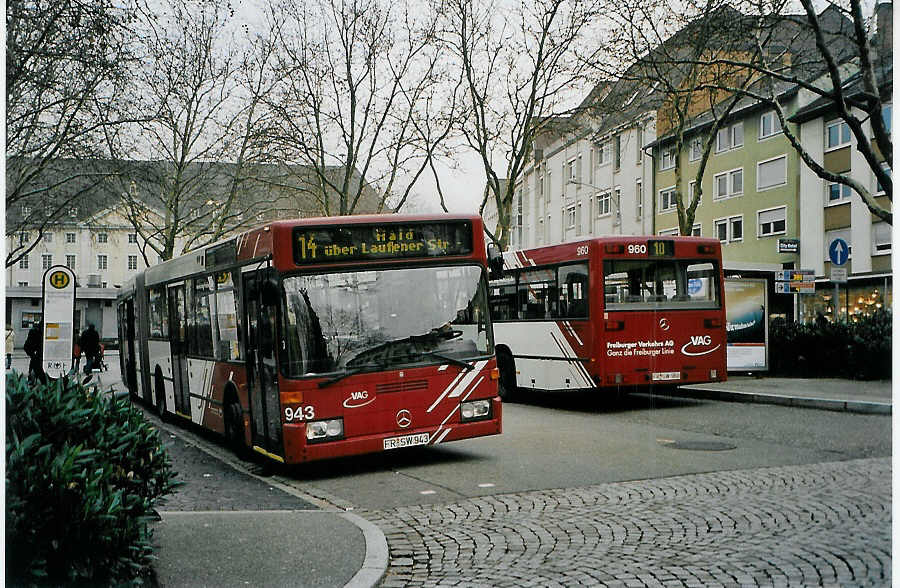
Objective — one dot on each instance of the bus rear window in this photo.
(634, 284)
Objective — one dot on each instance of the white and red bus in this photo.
(317, 338)
(611, 312)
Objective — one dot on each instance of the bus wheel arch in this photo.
(507, 387)
(234, 421)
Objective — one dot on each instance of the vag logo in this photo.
(698, 341)
(358, 399)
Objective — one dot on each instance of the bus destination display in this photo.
(336, 244)
(661, 248)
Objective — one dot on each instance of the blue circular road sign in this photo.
(838, 252)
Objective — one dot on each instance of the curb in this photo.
(376, 560)
(856, 406)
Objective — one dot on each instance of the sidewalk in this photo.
(873, 397)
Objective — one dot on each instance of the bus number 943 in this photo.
(639, 249)
(299, 413)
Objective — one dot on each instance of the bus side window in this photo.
(573, 291)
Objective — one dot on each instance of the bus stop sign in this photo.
(838, 252)
(59, 314)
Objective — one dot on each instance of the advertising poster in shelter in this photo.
(746, 309)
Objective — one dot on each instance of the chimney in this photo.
(884, 16)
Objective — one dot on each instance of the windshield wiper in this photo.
(448, 359)
(340, 376)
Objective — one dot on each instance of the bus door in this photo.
(262, 367)
(178, 338)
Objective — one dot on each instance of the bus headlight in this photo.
(324, 430)
(475, 410)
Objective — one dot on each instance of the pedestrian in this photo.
(34, 347)
(10, 344)
(90, 346)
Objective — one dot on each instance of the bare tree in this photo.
(689, 70)
(189, 157)
(356, 101)
(518, 66)
(66, 65)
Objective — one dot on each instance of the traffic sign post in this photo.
(839, 253)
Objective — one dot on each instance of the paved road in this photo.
(812, 525)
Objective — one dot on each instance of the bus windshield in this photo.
(635, 284)
(368, 320)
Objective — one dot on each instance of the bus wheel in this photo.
(234, 426)
(160, 395)
(507, 385)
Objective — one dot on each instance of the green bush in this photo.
(83, 474)
(860, 350)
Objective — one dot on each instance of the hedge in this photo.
(84, 472)
(860, 350)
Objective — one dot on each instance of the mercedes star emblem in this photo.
(404, 418)
(664, 324)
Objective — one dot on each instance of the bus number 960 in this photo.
(300, 413)
(581, 250)
(639, 249)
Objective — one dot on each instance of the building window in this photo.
(729, 230)
(23, 262)
(667, 158)
(26, 210)
(132, 262)
(104, 284)
(618, 151)
(22, 284)
(70, 237)
(603, 157)
(667, 199)
(837, 193)
(730, 137)
(132, 237)
(571, 168)
(70, 261)
(638, 199)
(771, 173)
(73, 211)
(695, 230)
(639, 144)
(771, 222)
(102, 262)
(24, 237)
(837, 135)
(604, 206)
(102, 238)
(695, 149)
(769, 124)
(548, 187)
(46, 261)
(669, 232)
(692, 189)
(48, 237)
(729, 184)
(570, 217)
(881, 238)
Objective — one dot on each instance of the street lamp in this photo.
(615, 197)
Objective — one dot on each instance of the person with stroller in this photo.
(90, 346)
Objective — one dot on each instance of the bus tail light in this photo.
(706, 249)
(495, 374)
(614, 325)
(614, 248)
(317, 431)
(712, 323)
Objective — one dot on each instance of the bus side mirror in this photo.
(269, 293)
(495, 261)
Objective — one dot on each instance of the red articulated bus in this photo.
(611, 312)
(317, 338)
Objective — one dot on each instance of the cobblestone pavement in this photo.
(814, 525)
